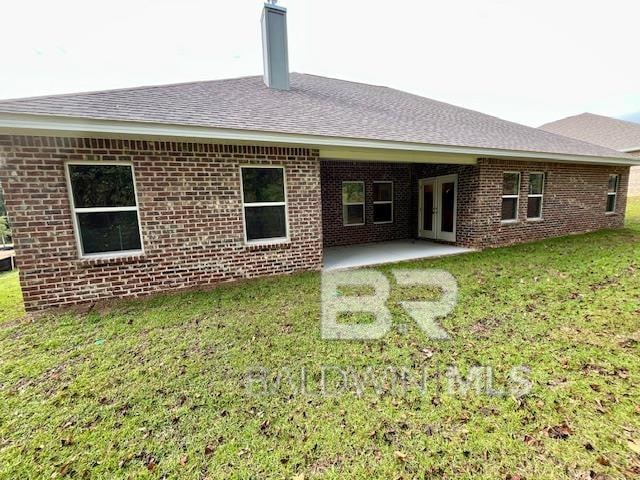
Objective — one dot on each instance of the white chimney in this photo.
(274, 46)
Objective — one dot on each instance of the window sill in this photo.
(98, 261)
(611, 213)
(535, 220)
(275, 245)
(383, 223)
(509, 222)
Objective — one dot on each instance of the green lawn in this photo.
(158, 388)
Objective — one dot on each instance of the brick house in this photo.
(610, 132)
(130, 192)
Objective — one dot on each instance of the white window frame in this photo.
(537, 195)
(285, 204)
(614, 194)
(75, 211)
(383, 202)
(363, 203)
(517, 197)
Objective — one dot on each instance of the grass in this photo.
(171, 387)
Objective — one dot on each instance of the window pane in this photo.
(611, 203)
(510, 183)
(536, 181)
(613, 183)
(352, 192)
(102, 186)
(109, 231)
(447, 201)
(509, 207)
(265, 222)
(427, 208)
(382, 212)
(534, 207)
(263, 185)
(353, 214)
(382, 192)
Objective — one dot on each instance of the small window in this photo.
(264, 204)
(382, 202)
(105, 210)
(612, 193)
(534, 199)
(353, 203)
(510, 195)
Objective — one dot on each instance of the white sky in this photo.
(528, 61)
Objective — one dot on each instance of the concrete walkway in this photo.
(352, 256)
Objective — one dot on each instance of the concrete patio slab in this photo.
(352, 256)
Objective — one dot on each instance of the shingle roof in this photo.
(598, 129)
(315, 106)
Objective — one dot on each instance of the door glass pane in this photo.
(265, 222)
(427, 207)
(448, 204)
(109, 231)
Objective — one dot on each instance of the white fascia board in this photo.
(28, 124)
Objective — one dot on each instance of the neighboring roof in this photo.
(609, 132)
(314, 105)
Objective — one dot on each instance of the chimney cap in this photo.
(274, 5)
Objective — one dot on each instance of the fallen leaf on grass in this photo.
(559, 432)
(400, 455)
(209, 449)
(634, 445)
(602, 460)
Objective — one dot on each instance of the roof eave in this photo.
(65, 126)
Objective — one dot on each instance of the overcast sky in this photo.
(529, 61)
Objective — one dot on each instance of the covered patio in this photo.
(353, 256)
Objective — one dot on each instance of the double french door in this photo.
(437, 208)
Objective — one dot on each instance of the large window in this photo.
(382, 202)
(612, 193)
(105, 210)
(353, 203)
(264, 204)
(510, 195)
(534, 199)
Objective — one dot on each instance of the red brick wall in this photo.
(333, 173)
(190, 212)
(191, 216)
(574, 202)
